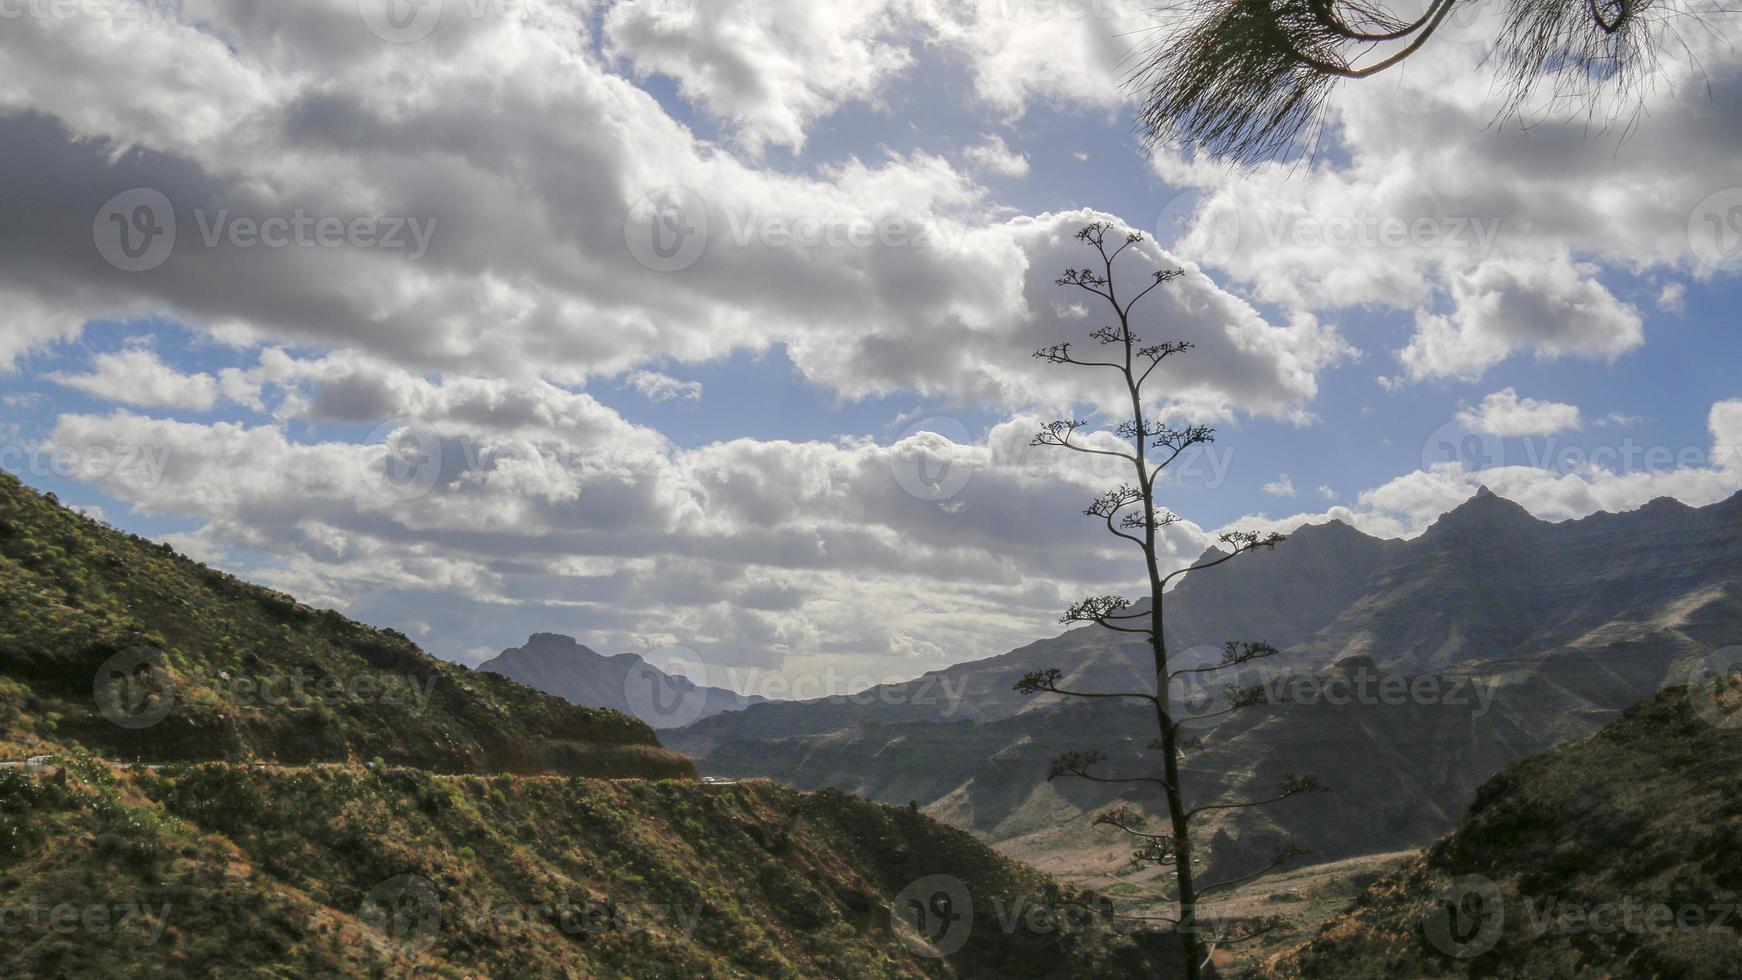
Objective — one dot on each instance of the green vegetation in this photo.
(247, 836)
(1616, 855)
(262, 871)
(256, 674)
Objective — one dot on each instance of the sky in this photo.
(702, 328)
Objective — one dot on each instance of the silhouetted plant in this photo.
(1245, 78)
(1130, 512)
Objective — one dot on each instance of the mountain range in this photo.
(242, 784)
(1523, 634)
(559, 665)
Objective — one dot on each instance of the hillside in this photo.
(1535, 633)
(193, 663)
(1616, 855)
(320, 820)
(218, 869)
(556, 664)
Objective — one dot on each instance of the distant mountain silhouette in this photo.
(1560, 625)
(557, 664)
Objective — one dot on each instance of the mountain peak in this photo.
(1485, 511)
(1332, 529)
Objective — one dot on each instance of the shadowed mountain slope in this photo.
(1614, 855)
(1525, 633)
(120, 644)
